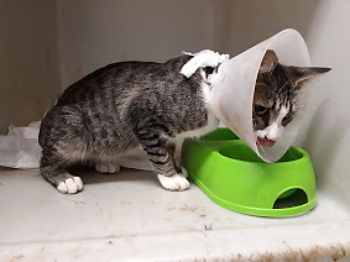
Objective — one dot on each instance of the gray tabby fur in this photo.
(125, 106)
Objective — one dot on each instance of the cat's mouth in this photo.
(265, 142)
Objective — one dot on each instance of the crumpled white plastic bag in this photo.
(20, 149)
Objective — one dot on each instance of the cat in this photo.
(275, 97)
(130, 105)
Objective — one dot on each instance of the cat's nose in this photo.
(273, 140)
(274, 132)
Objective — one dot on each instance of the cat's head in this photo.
(276, 90)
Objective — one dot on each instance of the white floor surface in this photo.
(129, 217)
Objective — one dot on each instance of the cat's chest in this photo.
(212, 122)
(211, 125)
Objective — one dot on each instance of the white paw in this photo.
(70, 186)
(176, 183)
(110, 168)
(184, 172)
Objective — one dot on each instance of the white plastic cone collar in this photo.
(233, 90)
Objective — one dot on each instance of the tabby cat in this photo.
(131, 105)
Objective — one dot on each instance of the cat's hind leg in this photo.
(107, 167)
(56, 173)
(65, 142)
(105, 162)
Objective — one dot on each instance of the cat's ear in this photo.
(301, 75)
(268, 63)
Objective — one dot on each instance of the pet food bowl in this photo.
(233, 176)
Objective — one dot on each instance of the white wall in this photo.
(92, 34)
(29, 79)
(328, 132)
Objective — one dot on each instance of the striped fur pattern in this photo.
(131, 105)
(119, 108)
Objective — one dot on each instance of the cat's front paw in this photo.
(175, 183)
(107, 168)
(70, 185)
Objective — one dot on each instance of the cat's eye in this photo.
(260, 110)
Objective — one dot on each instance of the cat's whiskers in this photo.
(307, 106)
(308, 102)
(289, 135)
(299, 140)
(306, 89)
(282, 87)
(311, 106)
(280, 91)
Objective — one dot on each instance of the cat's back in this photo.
(117, 79)
(114, 77)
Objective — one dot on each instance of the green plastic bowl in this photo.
(233, 176)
